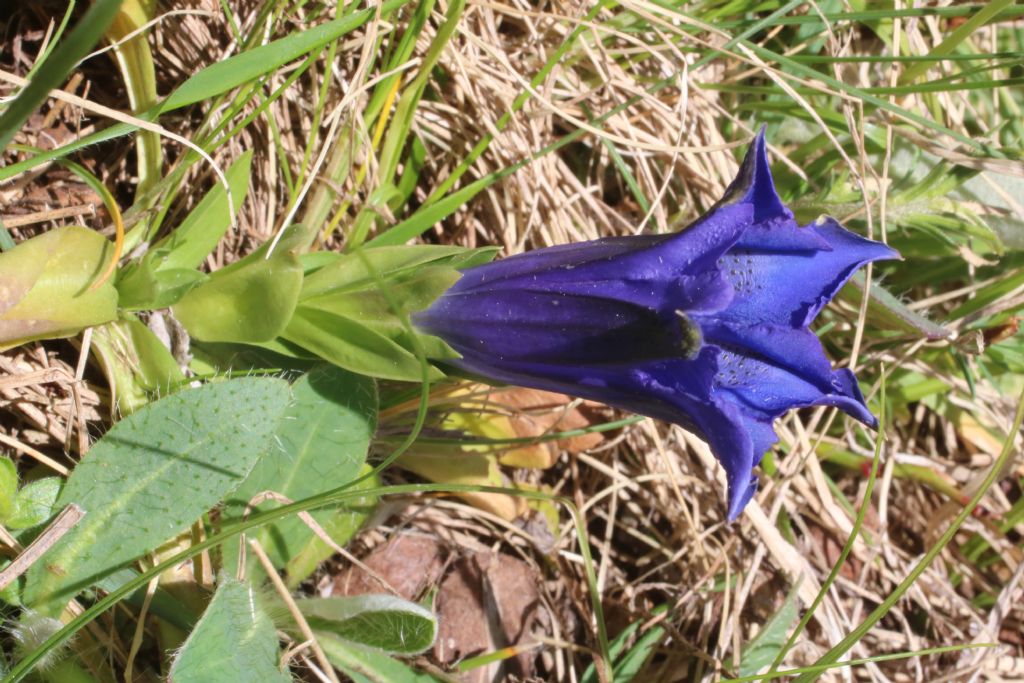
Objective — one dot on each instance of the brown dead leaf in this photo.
(977, 435)
(1001, 332)
(500, 416)
(410, 564)
(459, 466)
(488, 602)
(513, 592)
(463, 630)
(537, 413)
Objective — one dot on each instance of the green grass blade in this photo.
(874, 15)
(861, 94)
(65, 57)
(985, 14)
(438, 207)
(57, 35)
(933, 86)
(833, 655)
(517, 104)
(43, 156)
(794, 68)
(398, 133)
(774, 19)
(858, 522)
(822, 668)
(247, 66)
(430, 214)
(904, 59)
(621, 166)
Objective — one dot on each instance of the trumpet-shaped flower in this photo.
(706, 328)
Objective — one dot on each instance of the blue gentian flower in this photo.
(706, 328)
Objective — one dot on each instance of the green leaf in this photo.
(34, 503)
(410, 291)
(369, 666)
(323, 439)
(384, 622)
(234, 641)
(628, 660)
(352, 345)
(153, 474)
(346, 312)
(250, 301)
(372, 307)
(168, 270)
(340, 526)
(135, 61)
(364, 269)
(762, 650)
(143, 288)
(136, 363)
(205, 226)
(46, 286)
(8, 488)
(313, 261)
(888, 312)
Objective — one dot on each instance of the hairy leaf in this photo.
(151, 476)
(380, 621)
(367, 666)
(323, 440)
(34, 503)
(234, 641)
